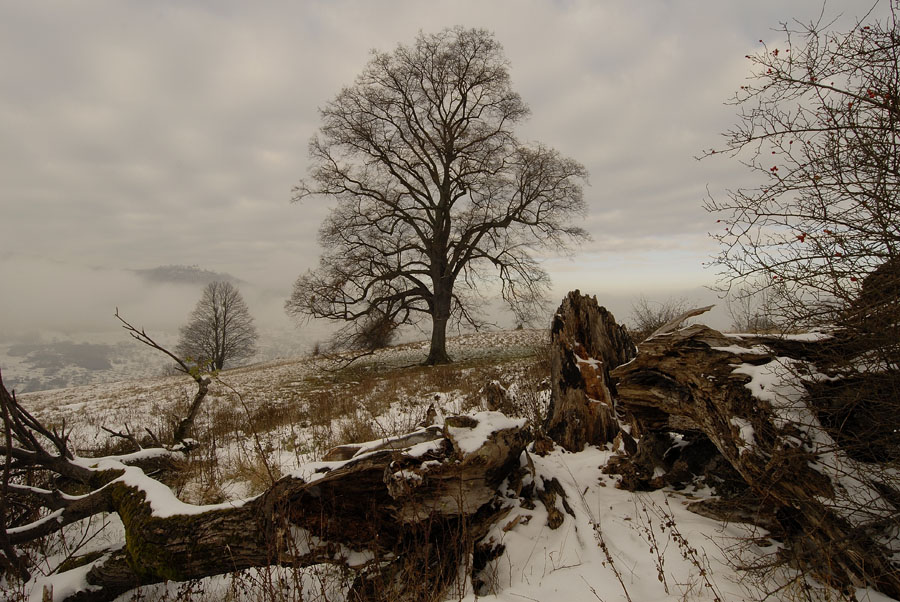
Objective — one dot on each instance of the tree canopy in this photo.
(436, 196)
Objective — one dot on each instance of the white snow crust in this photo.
(470, 440)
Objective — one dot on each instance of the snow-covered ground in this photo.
(613, 545)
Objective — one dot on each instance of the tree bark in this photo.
(437, 353)
(585, 344)
(184, 427)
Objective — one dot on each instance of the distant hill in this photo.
(44, 364)
(184, 274)
(59, 364)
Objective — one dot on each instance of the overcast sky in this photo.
(136, 134)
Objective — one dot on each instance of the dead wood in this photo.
(750, 404)
(585, 344)
(348, 450)
(679, 319)
(413, 507)
(184, 426)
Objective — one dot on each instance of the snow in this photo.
(65, 584)
(770, 382)
(313, 471)
(114, 460)
(778, 383)
(407, 475)
(811, 337)
(164, 503)
(570, 564)
(420, 449)
(739, 350)
(469, 440)
(745, 432)
(55, 515)
(618, 545)
(593, 363)
(807, 336)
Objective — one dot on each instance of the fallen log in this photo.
(416, 507)
(751, 403)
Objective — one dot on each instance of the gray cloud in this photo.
(138, 134)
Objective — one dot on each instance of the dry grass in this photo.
(259, 423)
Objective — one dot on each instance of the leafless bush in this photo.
(751, 310)
(818, 123)
(648, 316)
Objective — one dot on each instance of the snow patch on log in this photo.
(63, 585)
(163, 503)
(149, 453)
(746, 433)
(738, 350)
(778, 383)
(470, 440)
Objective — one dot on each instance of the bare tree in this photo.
(220, 329)
(751, 312)
(819, 239)
(819, 125)
(436, 196)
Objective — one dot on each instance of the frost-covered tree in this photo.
(219, 330)
(435, 194)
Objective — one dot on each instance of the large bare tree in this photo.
(435, 194)
(819, 125)
(220, 329)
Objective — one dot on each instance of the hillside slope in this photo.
(274, 419)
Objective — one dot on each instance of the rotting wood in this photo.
(695, 380)
(585, 344)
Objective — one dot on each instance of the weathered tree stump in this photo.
(585, 344)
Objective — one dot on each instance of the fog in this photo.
(145, 134)
(79, 303)
(61, 301)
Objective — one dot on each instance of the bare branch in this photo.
(142, 337)
(183, 427)
(819, 125)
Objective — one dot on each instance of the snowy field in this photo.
(264, 421)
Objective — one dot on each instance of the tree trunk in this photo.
(585, 344)
(184, 427)
(437, 354)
